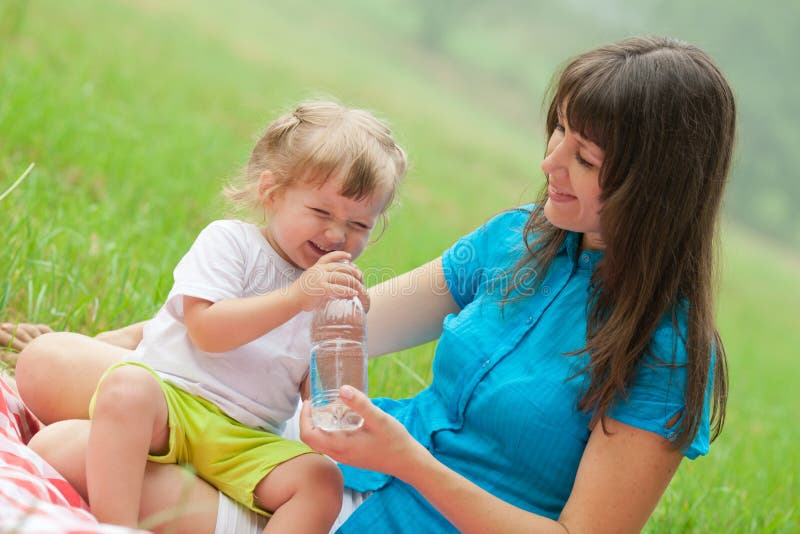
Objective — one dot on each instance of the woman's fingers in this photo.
(359, 403)
(16, 336)
(382, 443)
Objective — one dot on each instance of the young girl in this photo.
(220, 366)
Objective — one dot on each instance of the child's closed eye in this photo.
(360, 225)
(320, 212)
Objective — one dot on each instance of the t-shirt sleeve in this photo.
(472, 260)
(657, 394)
(213, 269)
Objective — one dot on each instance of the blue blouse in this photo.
(501, 409)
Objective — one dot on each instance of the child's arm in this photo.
(230, 323)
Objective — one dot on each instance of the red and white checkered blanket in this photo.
(34, 498)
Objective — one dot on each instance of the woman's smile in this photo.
(558, 196)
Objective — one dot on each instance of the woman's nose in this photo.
(553, 161)
(550, 165)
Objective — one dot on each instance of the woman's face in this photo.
(572, 166)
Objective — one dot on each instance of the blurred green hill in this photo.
(511, 48)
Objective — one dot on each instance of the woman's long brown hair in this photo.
(665, 116)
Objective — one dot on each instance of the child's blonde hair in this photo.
(315, 142)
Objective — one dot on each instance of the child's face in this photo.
(572, 166)
(307, 221)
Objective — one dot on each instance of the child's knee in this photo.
(128, 388)
(309, 477)
(325, 475)
(324, 484)
(319, 475)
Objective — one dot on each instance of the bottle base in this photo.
(335, 416)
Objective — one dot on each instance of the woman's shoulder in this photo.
(514, 218)
(502, 228)
(668, 343)
(492, 238)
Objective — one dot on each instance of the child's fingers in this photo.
(339, 260)
(346, 279)
(348, 290)
(334, 257)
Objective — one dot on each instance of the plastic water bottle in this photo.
(338, 357)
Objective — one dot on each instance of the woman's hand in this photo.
(380, 444)
(332, 276)
(16, 336)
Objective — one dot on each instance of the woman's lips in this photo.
(557, 196)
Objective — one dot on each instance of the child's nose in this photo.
(336, 234)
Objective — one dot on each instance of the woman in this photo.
(578, 358)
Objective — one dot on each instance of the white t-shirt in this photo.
(258, 383)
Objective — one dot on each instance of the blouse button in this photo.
(485, 363)
(584, 258)
(529, 320)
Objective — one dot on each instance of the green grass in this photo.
(136, 112)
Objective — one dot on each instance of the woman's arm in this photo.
(127, 337)
(408, 310)
(620, 479)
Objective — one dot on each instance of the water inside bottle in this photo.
(334, 363)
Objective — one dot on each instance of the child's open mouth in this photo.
(318, 249)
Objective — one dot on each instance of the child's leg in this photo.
(304, 494)
(130, 419)
(57, 374)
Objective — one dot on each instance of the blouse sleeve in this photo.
(657, 394)
(472, 260)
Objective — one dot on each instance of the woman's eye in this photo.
(583, 162)
(559, 127)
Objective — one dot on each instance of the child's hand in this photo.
(332, 276)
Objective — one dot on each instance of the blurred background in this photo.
(135, 112)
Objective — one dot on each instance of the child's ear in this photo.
(266, 188)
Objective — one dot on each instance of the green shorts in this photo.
(230, 456)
